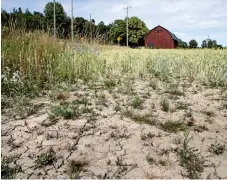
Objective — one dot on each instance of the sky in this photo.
(187, 19)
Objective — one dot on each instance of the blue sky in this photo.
(188, 19)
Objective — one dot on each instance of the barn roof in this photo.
(172, 35)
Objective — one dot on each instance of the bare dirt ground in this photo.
(112, 129)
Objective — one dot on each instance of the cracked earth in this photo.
(112, 144)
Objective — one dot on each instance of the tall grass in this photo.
(34, 61)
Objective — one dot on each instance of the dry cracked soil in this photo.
(133, 128)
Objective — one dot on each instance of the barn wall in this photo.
(160, 39)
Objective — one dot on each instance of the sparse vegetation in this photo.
(173, 89)
(76, 167)
(150, 159)
(110, 83)
(137, 102)
(66, 110)
(140, 118)
(165, 105)
(217, 148)
(8, 171)
(173, 126)
(192, 161)
(45, 158)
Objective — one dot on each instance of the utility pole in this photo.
(127, 8)
(207, 41)
(72, 19)
(90, 28)
(54, 21)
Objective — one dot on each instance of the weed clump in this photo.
(165, 105)
(173, 127)
(66, 110)
(8, 172)
(217, 148)
(45, 158)
(140, 118)
(190, 159)
(137, 102)
(75, 167)
(110, 83)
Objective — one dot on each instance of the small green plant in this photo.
(45, 158)
(150, 159)
(137, 102)
(7, 171)
(165, 105)
(66, 110)
(174, 90)
(217, 148)
(173, 126)
(110, 83)
(190, 159)
(75, 168)
(146, 118)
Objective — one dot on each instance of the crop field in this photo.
(79, 110)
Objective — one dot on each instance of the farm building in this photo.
(159, 37)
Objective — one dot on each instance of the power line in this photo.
(72, 20)
(54, 21)
(127, 8)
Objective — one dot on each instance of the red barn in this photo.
(159, 37)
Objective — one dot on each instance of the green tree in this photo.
(204, 44)
(137, 31)
(102, 28)
(210, 43)
(61, 18)
(4, 18)
(182, 44)
(118, 29)
(214, 43)
(193, 43)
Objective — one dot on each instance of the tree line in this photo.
(84, 28)
(207, 43)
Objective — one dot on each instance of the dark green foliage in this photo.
(182, 44)
(193, 43)
(137, 31)
(204, 44)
